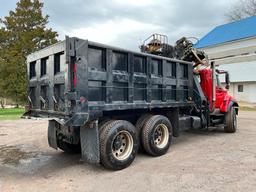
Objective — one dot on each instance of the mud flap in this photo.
(52, 139)
(173, 116)
(89, 139)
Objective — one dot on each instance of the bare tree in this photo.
(241, 10)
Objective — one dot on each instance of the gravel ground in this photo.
(197, 161)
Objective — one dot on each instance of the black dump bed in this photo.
(76, 80)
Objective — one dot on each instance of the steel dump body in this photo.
(107, 102)
(77, 80)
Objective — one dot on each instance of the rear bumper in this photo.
(43, 113)
(77, 119)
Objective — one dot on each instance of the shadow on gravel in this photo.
(20, 159)
(24, 160)
(192, 136)
(207, 132)
(12, 155)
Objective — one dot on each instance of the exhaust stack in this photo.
(213, 85)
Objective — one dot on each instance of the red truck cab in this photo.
(222, 97)
(220, 101)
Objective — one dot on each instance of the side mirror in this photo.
(227, 80)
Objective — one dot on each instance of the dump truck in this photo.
(107, 103)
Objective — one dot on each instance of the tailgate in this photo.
(50, 80)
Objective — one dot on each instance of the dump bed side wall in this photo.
(110, 78)
(93, 78)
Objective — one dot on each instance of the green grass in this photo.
(15, 113)
(246, 108)
(11, 114)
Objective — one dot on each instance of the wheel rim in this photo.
(161, 136)
(122, 145)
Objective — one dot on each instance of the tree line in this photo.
(241, 9)
(22, 32)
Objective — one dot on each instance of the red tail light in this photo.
(83, 99)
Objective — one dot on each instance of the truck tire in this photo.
(68, 148)
(103, 124)
(157, 135)
(139, 124)
(231, 121)
(118, 144)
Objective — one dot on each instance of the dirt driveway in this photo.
(197, 161)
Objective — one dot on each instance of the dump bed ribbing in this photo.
(81, 78)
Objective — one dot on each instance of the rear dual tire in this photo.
(139, 126)
(118, 144)
(156, 135)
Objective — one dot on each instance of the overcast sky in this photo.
(126, 23)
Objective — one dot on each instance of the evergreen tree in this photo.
(22, 32)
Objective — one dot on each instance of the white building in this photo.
(233, 47)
